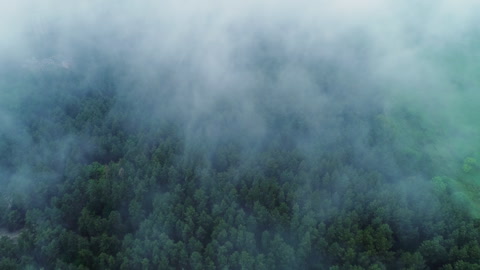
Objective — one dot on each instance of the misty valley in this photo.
(265, 137)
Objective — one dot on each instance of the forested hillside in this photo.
(251, 145)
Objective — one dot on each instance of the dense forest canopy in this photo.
(206, 135)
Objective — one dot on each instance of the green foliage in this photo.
(142, 194)
(469, 164)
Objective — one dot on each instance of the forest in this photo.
(157, 148)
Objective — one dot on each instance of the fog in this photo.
(305, 77)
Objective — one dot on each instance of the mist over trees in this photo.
(331, 135)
